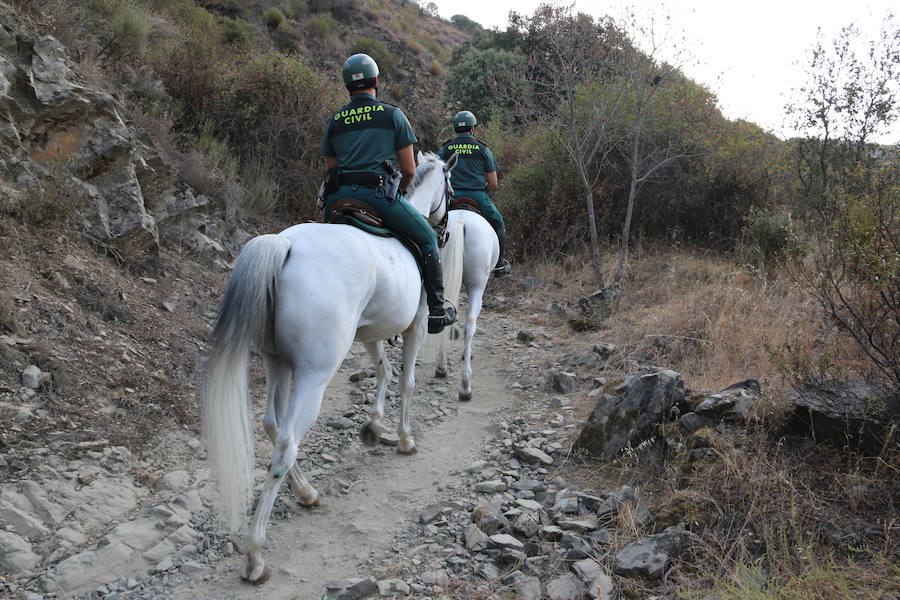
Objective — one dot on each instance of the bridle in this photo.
(441, 228)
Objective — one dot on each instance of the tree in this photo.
(652, 90)
(849, 98)
(473, 79)
(566, 53)
(852, 186)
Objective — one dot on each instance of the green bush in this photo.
(286, 39)
(376, 49)
(131, 28)
(322, 25)
(273, 18)
(236, 31)
(768, 238)
(295, 8)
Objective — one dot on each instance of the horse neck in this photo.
(425, 196)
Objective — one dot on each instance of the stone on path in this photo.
(504, 540)
(567, 587)
(16, 555)
(650, 556)
(528, 588)
(476, 539)
(532, 455)
(350, 589)
(393, 587)
(564, 382)
(491, 487)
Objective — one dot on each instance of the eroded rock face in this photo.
(630, 416)
(57, 133)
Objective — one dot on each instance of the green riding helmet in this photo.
(360, 71)
(464, 118)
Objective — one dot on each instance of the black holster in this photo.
(392, 184)
(332, 180)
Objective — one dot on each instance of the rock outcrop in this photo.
(61, 138)
(630, 416)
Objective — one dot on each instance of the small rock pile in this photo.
(514, 528)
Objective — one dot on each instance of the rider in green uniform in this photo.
(365, 143)
(475, 176)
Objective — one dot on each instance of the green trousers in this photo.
(399, 216)
(487, 208)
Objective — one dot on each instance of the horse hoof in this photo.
(465, 396)
(258, 575)
(440, 372)
(407, 445)
(309, 498)
(369, 434)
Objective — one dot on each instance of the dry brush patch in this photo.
(769, 517)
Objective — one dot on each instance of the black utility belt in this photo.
(369, 178)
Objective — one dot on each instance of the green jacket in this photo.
(365, 133)
(475, 160)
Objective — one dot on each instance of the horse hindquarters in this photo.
(245, 315)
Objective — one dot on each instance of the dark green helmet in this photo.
(360, 71)
(464, 118)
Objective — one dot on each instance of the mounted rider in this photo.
(368, 150)
(475, 176)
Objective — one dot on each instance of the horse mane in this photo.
(423, 170)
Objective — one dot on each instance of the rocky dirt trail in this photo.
(371, 495)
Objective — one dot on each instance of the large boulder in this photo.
(848, 414)
(630, 416)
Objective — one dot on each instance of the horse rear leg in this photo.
(475, 298)
(299, 415)
(371, 431)
(278, 389)
(412, 341)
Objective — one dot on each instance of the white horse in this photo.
(301, 298)
(481, 248)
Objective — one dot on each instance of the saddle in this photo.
(364, 216)
(464, 203)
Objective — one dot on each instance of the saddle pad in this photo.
(464, 203)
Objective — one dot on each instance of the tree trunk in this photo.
(626, 232)
(632, 192)
(592, 226)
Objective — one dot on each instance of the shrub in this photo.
(322, 25)
(131, 28)
(236, 31)
(286, 39)
(768, 238)
(376, 49)
(259, 186)
(273, 18)
(53, 201)
(466, 24)
(436, 68)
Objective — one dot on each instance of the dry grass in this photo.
(710, 319)
(770, 519)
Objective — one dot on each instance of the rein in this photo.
(441, 228)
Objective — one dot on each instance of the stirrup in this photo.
(503, 269)
(436, 323)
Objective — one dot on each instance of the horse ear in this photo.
(420, 157)
(451, 162)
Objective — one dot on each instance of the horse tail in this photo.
(452, 258)
(244, 321)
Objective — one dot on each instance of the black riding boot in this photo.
(438, 316)
(503, 267)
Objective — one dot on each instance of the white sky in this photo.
(750, 53)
